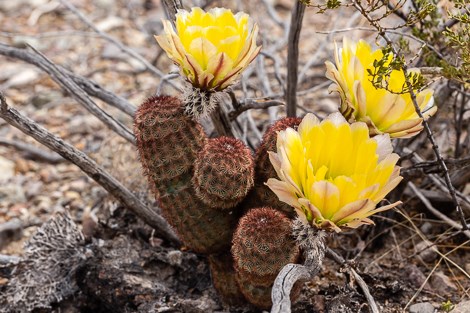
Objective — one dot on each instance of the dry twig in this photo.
(90, 87)
(293, 57)
(90, 167)
(64, 80)
(436, 212)
(34, 152)
(116, 42)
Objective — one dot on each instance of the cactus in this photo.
(201, 228)
(169, 142)
(224, 278)
(200, 183)
(264, 170)
(223, 172)
(262, 245)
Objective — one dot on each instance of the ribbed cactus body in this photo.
(168, 140)
(262, 245)
(201, 228)
(224, 278)
(259, 296)
(223, 172)
(261, 194)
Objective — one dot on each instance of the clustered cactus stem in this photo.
(204, 185)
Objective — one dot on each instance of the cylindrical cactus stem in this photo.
(201, 228)
(224, 278)
(260, 193)
(262, 245)
(167, 140)
(223, 172)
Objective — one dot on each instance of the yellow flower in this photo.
(382, 110)
(333, 173)
(211, 48)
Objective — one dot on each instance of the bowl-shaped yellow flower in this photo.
(383, 111)
(211, 48)
(333, 173)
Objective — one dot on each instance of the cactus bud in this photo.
(223, 172)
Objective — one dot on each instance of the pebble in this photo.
(22, 78)
(426, 251)
(78, 185)
(462, 307)
(12, 193)
(175, 257)
(426, 228)
(33, 189)
(424, 307)
(414, 275)
(442, 284)
(7, 169)
(110, 23)
(41, 99)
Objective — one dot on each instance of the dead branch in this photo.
(78, 94)
(32, 151)
(171, 7)
(357, 278)
(90, 167)
(436, 212)
(293, 57)
(249, 104)
(116, 42)
(90, 87)
(312, 242)
(439, 182)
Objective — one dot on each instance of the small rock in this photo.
(23, 41)
(33, 189)
(72, 195)
(442, 283)
(22, 166)
(424, 307)
(12, 193)
(22, 78)
(426, 228)
(175, 257)
(10, 231)
(78, 185)
(41, 99)
(414, 275)
(110, 23)
(7, 169)
(462, 307)
(112, 52)
(426, 251)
